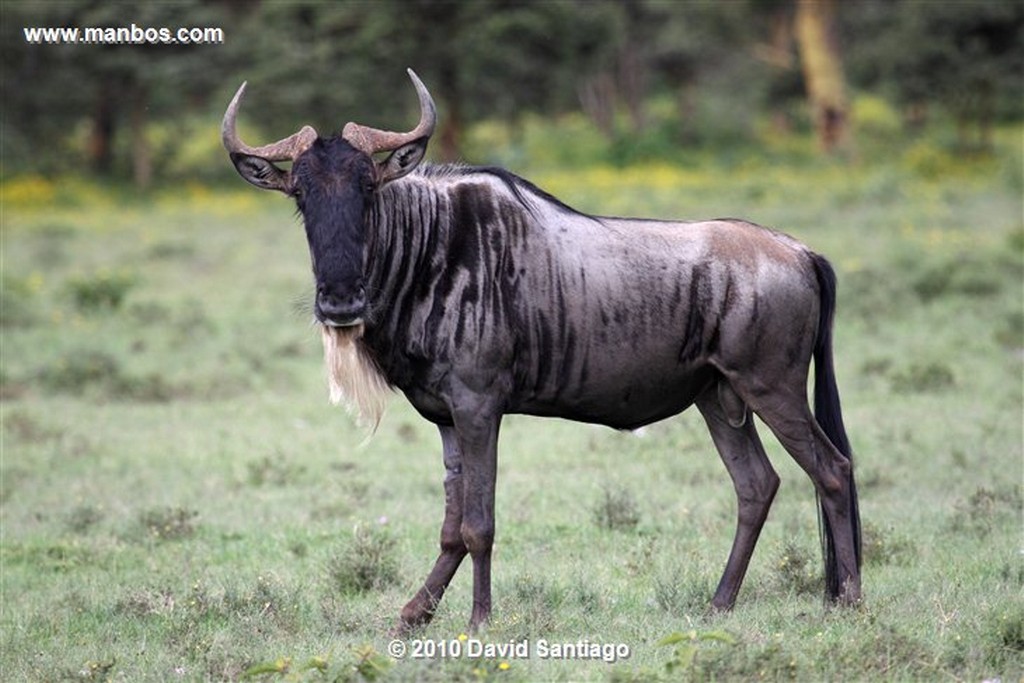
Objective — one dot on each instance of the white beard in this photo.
(352, 376)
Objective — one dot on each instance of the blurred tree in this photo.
(49, 89)
(776, 49)
(699, 48)
(489, 58)
(41, 91)
(965, 58)
(120, 110)
(821, 61)
(655, 46)
(532, 56)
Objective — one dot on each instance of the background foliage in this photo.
(652, 76)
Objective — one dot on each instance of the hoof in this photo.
(409, 624)
(850, 595)
(401, 629)
(416, 613)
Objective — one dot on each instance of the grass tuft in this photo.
(692, 648)
(26, 428)
(77, 371)
(84, 517)
(888, 650)
(97, 670)
(533, 605)
(101, 291)
(616, 510)
(18, 307)
(924, 377)
(144, 602)
(973, 277)
(101, 373)
(53, 557)
(273, 471)
(168, 523)
(1010, 334)
(680, 595)
(796, 570)
(367, 563)
(1005, 636)
(882, 546)
(987, 509)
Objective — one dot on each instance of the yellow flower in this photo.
(504, 666)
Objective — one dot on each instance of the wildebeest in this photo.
(477, 294)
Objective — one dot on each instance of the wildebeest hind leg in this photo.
(420, 610)
(789, 416)
(752, 475)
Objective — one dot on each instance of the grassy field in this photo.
(180, 502)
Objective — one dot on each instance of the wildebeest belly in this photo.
(626, 397)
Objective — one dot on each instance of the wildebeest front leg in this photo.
(477, 430)
(420, 610)
(735, 437)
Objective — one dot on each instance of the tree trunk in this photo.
(686, 99)
(142, 160)
(450, 141)
(597, 97)
(450, 93)
(632, 85)
(101, 154)
(632, 66)
(822, 66)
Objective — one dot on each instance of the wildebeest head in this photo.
(333, 180)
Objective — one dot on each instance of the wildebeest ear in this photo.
(402, 161)
(260, 172)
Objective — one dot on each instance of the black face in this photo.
(332, 183)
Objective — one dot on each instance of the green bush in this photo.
(886, 546)
(796, 570)
(924, 377)
(17, 302)
(76, 371)
(100, 291)
(367, 563)
(101, 373)
(168, 523)
(616, 510)
(987, 508)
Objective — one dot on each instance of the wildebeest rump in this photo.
(477, 294)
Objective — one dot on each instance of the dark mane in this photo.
(516, 184)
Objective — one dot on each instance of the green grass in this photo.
(180, 502)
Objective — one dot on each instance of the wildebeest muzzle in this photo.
(337, 307)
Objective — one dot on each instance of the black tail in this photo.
(829, 414)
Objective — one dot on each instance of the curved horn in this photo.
(283, 150)
(372, 140)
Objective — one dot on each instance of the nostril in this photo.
(340, 308)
